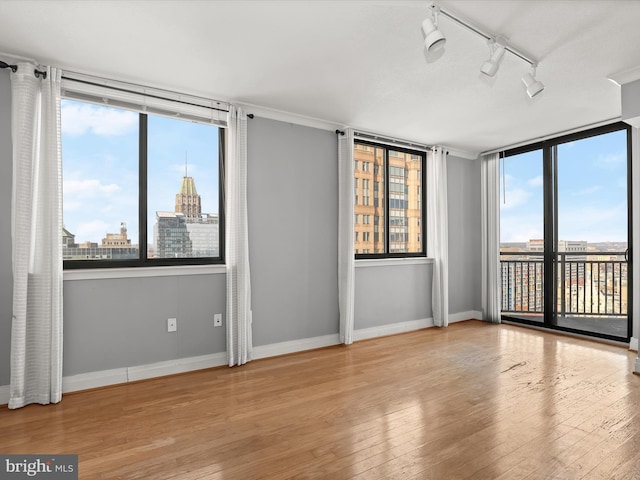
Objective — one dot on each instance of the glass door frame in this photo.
(549, 150)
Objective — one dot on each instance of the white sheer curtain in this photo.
(346, 259)
(239, 337)
(36, 226)
(438, 234)
(490, 189)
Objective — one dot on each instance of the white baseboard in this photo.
(292, 346)
(462, 316)
(179, 365)
(402, 327)
(104, 378)
(633, 344)
(391, 329)
(85, 381)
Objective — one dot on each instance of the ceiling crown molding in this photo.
(626, 76)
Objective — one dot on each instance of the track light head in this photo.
(534, 87)
(434, 40)
(491, 66)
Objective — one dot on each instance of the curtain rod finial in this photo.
(14, 68)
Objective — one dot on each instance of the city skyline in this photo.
(185, 232)
(100, 168)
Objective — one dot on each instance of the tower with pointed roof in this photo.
(186, 232)
(187, 199)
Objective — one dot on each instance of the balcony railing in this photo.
(589, 284)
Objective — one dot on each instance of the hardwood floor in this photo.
(474, 401)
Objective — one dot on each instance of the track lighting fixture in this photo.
(534, 87)
(497, 48)
(434, 40)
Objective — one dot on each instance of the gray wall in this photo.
(122, 322)
(293, 231)
(393, 294)
(292, 171)
(630, 93)
(465, 235)
(114, 323)
(6, 278)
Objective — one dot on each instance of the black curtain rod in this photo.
(14, 69)
(341, 132)
(250, 115)
(87, 82)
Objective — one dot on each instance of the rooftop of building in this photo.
(188, 186)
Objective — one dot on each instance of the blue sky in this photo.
(592, 192)
(100, 168)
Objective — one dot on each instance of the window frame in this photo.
(143, 260)
(547, 147)
(422, 197)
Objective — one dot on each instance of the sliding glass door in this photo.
(522, 236)
(565, 233)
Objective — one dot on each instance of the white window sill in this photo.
(138, 272)
(386, 262)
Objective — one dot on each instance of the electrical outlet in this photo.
(217, 320)
(172, 325)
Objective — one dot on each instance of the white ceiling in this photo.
(353, 62)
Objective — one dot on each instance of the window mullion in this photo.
(387, 211)
(142, 189)
(222, 186)
(423, 206)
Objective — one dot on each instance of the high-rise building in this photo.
(186, 232)
(405, 201)
(187, 199)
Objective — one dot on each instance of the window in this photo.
(397, 213)
(139, 189)
(564, 251)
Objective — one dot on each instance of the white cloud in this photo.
(611, 160)
(594, 223)
(179, 168)
(80, 119)
(72, 205)
(514, 198)
(92, 231)
(536, 181)
(88, 188)
(521, 228)
(517, 191)
(588, 191)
